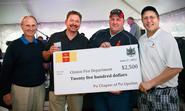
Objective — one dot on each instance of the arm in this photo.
(172, 60)
(105, 45)
(6, 74)
(166, 75)
(46, 54)
(7, 98)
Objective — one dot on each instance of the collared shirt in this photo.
(121, 38)
(78, 42)
(22, 64)
(112, 35)
(26, 42)
(157, 53)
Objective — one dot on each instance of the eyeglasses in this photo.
(149, 17)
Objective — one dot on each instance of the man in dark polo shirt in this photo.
(22, 74)
(113, 36)
(69, 39)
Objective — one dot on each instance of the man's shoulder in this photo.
(102, 31)
(164, 35)
(15, 45)
(15, 42)
(142, 38)
(99, 34)
(127, 33)
(82, 37)
(56, 34)
(163, 32)
(131, 38)
(41, 43)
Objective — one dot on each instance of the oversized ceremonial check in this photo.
(96, 70)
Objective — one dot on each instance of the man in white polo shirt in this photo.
(160, 65)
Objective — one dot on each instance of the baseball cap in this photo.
(117, 12)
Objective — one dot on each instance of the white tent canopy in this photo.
(95, 13)
(12, 11)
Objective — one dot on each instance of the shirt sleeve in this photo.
(171, 53)
(93, 41)
(6, 71)
(48, 44)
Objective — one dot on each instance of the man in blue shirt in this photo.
(22, 74)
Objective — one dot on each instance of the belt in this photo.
(158, 88)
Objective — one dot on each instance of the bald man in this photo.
(22, 74)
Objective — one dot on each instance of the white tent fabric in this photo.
(11, 11)
(51, 15)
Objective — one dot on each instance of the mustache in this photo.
(72, 25)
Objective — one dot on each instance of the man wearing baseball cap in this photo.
(113, 36)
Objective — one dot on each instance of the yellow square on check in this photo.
(73, 56)
(58, 57)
